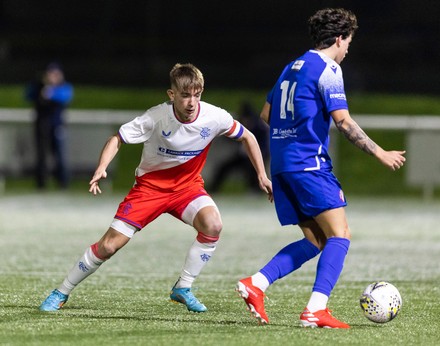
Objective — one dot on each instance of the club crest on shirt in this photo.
(205, 133)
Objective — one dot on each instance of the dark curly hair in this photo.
(329, 23)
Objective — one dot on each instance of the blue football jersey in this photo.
(308, 89)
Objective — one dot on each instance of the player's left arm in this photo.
(352, 131)
(254, 153)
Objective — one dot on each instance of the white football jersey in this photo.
(169, 143)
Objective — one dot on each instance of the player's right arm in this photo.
(353, 132)
(109, 151)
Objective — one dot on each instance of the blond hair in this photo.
(186, 77)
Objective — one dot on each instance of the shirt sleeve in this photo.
(236, 130)
(229, 127)
(331, 88)
(138, 130)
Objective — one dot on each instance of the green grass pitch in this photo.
(126, 301)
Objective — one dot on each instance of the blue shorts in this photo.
(300, 196)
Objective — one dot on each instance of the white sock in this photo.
(260, 281)
(85, 266)
(198, 256)
(318, 301)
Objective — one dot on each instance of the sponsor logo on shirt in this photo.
(334, 68)
(166, 134)
(284, 133)
(339, 96)
(169, 152)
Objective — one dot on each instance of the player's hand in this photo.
(266, 186)
(392, 159)
(94, 183)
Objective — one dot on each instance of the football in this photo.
(381, 302)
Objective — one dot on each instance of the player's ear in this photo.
(170, 93)
(338, 41)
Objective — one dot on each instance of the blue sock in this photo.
(330, 264)
(289, 259)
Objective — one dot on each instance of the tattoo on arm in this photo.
(357, 136)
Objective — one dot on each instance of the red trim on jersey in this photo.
(231, 131)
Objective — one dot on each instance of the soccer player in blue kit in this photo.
(307, 96)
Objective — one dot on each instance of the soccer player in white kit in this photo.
(176, 136)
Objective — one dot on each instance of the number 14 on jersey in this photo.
(287, 99)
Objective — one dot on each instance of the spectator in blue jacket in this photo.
(50, 96)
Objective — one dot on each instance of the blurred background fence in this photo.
(89, 129)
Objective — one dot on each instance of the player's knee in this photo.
(107, 249)
(215, 228)
(211, 228)
(111, 242)
(209, 222)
